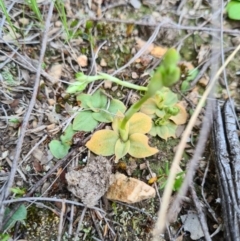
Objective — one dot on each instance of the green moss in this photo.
(41, 224)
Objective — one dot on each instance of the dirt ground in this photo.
(37, 63)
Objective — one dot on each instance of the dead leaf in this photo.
(204, 81)
(203, 53)
(37, 166)
(191, 224)
(156, 51)
(140, 43)
(182, 116)
(103, 63)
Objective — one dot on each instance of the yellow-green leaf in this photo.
(139, 147)
(116, 121)
(149, 107)
(166, 131)
(121, 149)
(103, 142)
(139, 123)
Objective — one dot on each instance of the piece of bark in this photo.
(225, 145)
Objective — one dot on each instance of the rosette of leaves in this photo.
(97, 108)
(135, 142)
(161, 107)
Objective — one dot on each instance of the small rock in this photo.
(107, 84)
(58, 24)
(56, 72)
(143, 166)
(24, 21)
(129, 190)
(134, 75)
(204, 81)
(82, 60)
(135, 3)
(51, 102)
(103, 63)
(114, 88)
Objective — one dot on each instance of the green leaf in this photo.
(4, 237)
(85, 100)
(107, 116)
(84, 122)
(103, 142)
(185, 86)
(233, 10)
(95, 102)
(102, 116)
(139, 147)
(67, 136)
(178, 181)
(121, 149)
(115, 106)
(58, 149)
(166, 131)
(76, 87)
(140, 123)
(149, 107)
(98, 100)
(192, 74)
(18, 191)
(160, 113)
(166, 98)
(19, 215)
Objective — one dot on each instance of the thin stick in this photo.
(80, 224)
(60, 227)
(160, 224)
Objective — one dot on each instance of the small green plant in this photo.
(97, 108)
(60, 149)
(59, 4)
(129, 129)
(192, 74)
(160, 108)
(233, 10)
(7, 16)
(128, 134)
(34, 7)
(19, 192)
(162, 178)
(4, 237)
(110, 142)
(18, 216)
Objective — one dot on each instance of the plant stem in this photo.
(132, 110)
(121, 82)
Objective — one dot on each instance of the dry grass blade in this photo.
(160, 224)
